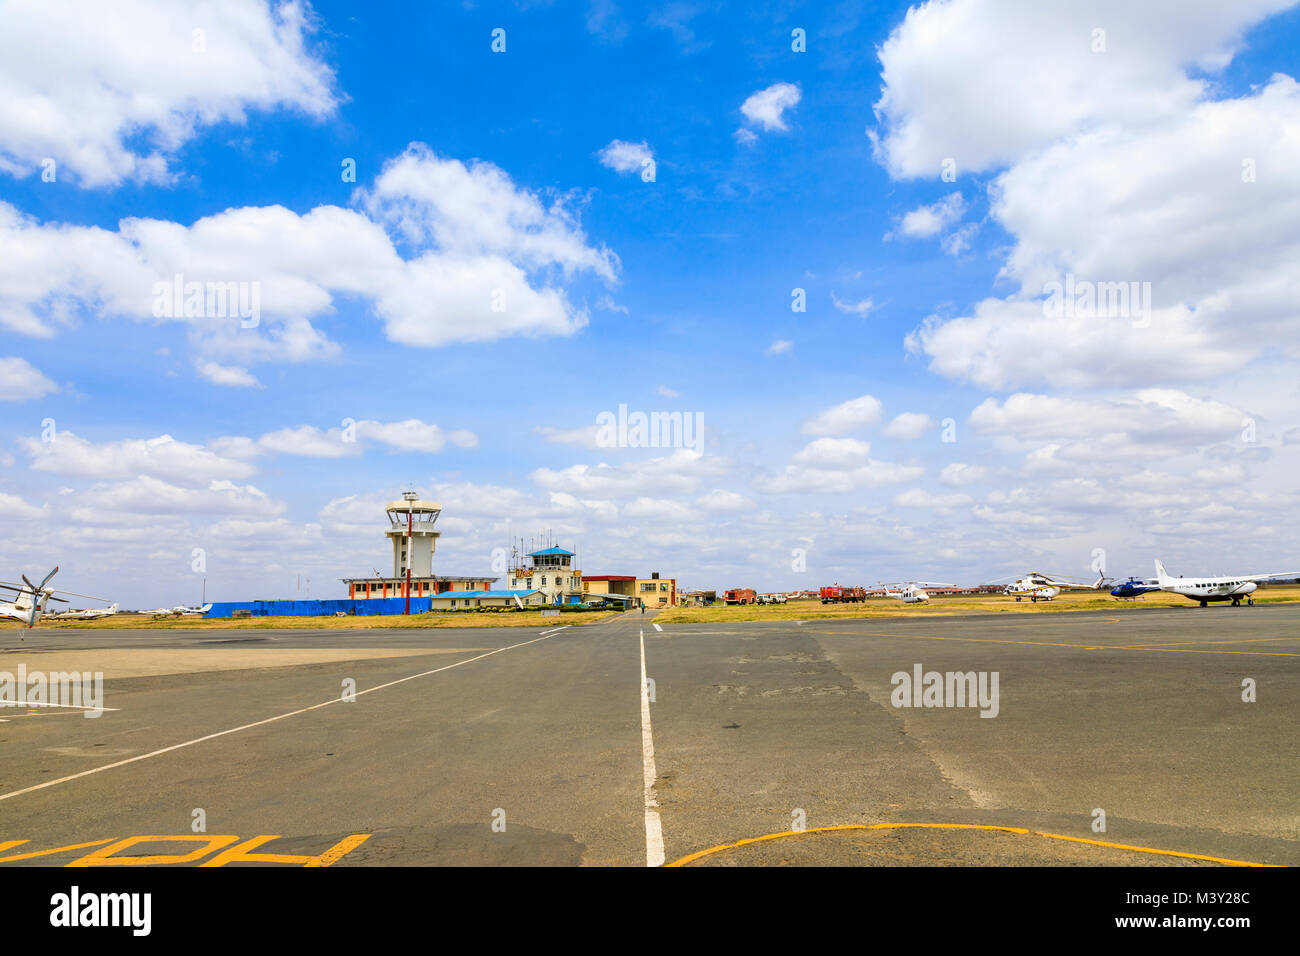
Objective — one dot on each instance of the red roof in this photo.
(609, 577)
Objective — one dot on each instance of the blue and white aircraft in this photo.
(1135, 587)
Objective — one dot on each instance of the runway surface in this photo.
(521, 746)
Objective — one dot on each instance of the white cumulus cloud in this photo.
(20, 381)
(111, 91)
(767, 107)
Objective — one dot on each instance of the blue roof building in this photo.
(550, 570)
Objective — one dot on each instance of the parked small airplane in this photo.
(1043, 587)
(85, 613)
(30, 599)
(1207, 589)
(1135, 587)
(180, 610)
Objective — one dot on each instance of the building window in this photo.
(543, 580)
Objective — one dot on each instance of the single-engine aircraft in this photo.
(1206, 589)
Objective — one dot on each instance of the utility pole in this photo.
(410, 517)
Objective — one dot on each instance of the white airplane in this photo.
(30, 599)
(180, 610)
(1043, 587)
(85, 613)
(913, 592)
(1207, 589)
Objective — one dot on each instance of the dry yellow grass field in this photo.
(368, 622)
(811, 608)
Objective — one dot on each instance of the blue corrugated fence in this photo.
(319, 608)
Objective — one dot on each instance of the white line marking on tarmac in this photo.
(555, 630)
(654, 831)
(657, 627)
(259, 723)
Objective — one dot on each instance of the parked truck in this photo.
(835, 594)
(741, 596)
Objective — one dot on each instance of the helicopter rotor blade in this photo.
(89, 597)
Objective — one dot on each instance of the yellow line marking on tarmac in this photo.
(44, 703)
(1077, 647)
(1239, 640)
(260, 723)
(111, 855)
(29, 856)
(106, 856)
(242, 854)
(1018, 831)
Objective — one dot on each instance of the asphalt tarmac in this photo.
(756, 744)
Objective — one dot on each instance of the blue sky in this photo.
(1109, 158)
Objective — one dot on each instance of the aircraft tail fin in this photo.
(1161, 574)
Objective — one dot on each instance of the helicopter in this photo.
(30, 599)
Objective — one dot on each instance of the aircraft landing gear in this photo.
(1236, 602)
(1250, 601)
(1205, 604)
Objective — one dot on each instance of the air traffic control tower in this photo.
(410, 529)
(412, 534)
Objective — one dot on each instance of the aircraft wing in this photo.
(1275, 574)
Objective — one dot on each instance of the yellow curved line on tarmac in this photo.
(31, 856)
(1019, 831)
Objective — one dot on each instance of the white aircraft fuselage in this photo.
(1206, 589)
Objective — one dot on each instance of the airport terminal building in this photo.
(653, 591)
